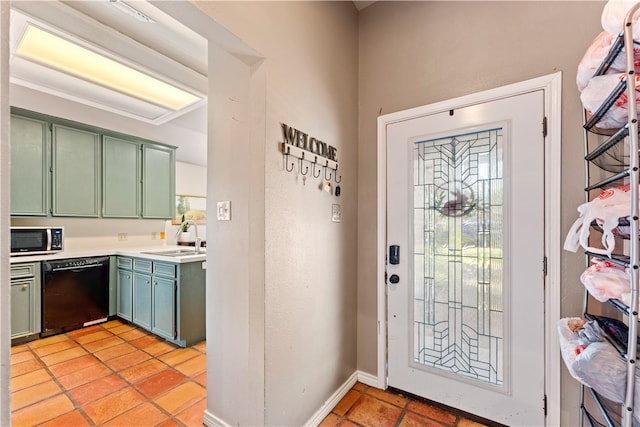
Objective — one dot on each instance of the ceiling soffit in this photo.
(54, 16)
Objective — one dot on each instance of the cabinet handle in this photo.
(25, 286)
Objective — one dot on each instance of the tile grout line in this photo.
(171, 417)
(80, 408)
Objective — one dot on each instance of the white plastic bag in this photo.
(598, 90)
(601, 367)
(597, 364)
(570, 346)
(595, 54)
(613, 15)
(605, 209)
(605, 280)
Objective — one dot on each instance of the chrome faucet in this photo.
(198, 241)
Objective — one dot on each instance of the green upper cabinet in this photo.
(64, 168)
(29, 177)
(120, 178)
(158, 181)
(76, 172)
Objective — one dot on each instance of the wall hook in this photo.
(306, 171)
(338, 181)
(293, 164)
(325, 174)
(313, 170)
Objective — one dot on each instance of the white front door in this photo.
(465, 208)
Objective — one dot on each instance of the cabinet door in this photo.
(120, 178)
(164, 307)
(76, 172)
(22, 307)
(29, 147)
(142, 300)
(158, 181)
(125, 289)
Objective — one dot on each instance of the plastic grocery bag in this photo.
(601, 367)
(570, 346)
(595, 55)
(597, 91)
(596, 364)
(605, 280)
(613, 15)
(605, 210)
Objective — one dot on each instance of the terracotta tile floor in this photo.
(113, 374)
(372, 407)
(116, 374)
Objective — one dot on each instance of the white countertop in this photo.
(138, 252)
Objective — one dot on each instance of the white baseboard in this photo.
(332, 401)
(368, 379)
(211, 420)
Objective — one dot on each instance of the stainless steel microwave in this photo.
(36, 240)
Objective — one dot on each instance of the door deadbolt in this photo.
(394, 254)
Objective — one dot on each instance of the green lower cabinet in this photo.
(166, 298)
(164, 308)
(142, 300)
(25, 299)
(125, 296)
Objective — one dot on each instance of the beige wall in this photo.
(5, 176)
(308, 341)
(416, 53)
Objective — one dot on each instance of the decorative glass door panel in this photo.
(458, 243)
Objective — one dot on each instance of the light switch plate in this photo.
(224, 211)
(336, 213)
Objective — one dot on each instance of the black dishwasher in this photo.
(75, 293)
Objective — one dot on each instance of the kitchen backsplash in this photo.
(86, 233)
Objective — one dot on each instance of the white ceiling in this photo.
(165, 48)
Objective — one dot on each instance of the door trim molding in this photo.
(551, 84)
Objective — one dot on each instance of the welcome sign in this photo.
(301, 145)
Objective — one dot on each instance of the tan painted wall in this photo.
(309, 282)
(5, 177)
(417, 53)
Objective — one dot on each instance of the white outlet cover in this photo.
(336, 213)
(224, 211)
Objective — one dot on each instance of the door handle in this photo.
(394, 279)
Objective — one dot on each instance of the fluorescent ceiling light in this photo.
(48, 49)
(131, 11)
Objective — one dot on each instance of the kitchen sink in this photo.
(176, 252)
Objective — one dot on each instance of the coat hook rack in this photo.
(320, 166)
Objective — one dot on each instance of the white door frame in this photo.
(551, 84)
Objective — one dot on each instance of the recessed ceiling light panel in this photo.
(49, 49)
